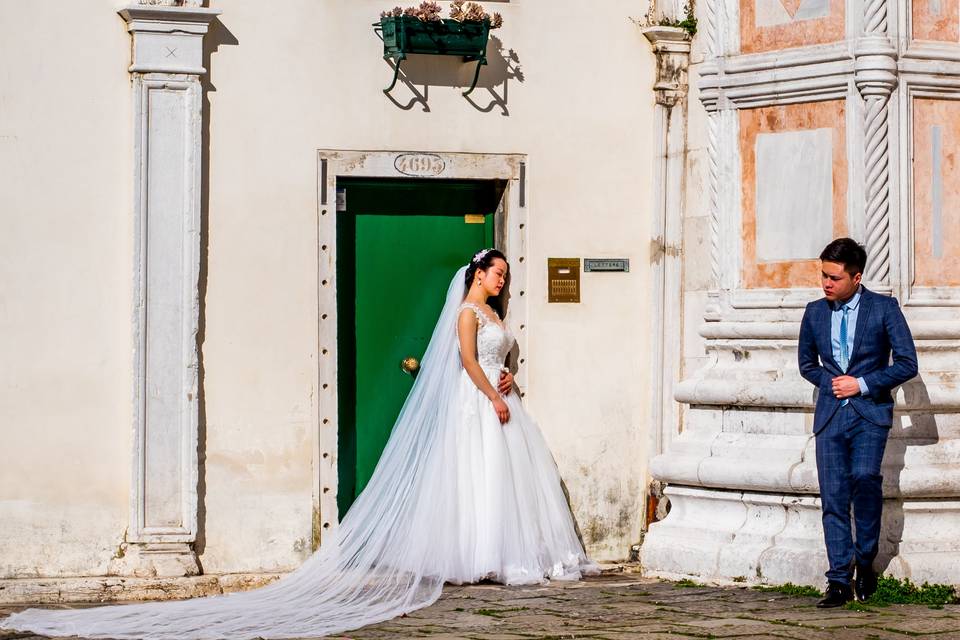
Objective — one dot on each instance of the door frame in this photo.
(510, 228)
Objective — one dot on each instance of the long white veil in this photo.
(388, 556)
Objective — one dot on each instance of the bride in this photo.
(465, 490)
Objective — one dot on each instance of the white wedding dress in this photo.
(514, 525)
(456, 497)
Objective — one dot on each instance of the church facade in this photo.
(222, 233)
(814, 120)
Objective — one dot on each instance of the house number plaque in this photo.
(419, 165)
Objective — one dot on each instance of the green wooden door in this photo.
(399, 242)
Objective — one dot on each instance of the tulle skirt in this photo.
(456, 497)
(513, 522)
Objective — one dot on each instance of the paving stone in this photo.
(626, 606)
(922, 625)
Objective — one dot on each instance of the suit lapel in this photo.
(824, 336)
(866, 304)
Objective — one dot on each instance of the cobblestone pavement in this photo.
(621, 606)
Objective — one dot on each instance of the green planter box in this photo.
(403, 35)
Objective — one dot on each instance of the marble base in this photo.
(722, 536)
(156, 560)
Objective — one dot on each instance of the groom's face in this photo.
(837, 283)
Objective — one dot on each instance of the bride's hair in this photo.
(482, 262)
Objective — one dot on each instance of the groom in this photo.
(846, 339)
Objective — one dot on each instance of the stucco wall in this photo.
(65, 302)
(584, 122)
(287, 78)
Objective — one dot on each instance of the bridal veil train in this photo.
(456, 497)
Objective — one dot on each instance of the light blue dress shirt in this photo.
(853, 309)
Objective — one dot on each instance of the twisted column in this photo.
(878, 190)
(710, 98)
(875, 17)
(876, 76)
(713, 127)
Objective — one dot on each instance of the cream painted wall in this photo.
(310, 76)
(287, 78)
(65, 301)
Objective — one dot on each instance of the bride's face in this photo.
(493, 279)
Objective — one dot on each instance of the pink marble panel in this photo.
(796, 117)
(936, 192)
(769, 25)
(936, 20)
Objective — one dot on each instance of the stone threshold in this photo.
(26, 591)
(612, 566)
(125, 589)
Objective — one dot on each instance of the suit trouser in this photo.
(849, 453)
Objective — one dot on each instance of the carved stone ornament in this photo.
(671, 45)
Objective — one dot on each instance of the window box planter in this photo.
(403, 35)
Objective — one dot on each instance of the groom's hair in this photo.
(848, 252)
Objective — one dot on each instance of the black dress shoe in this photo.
(865, 582)
(836, 595)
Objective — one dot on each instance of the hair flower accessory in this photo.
(480, 256)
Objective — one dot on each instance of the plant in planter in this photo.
(688, 23)
(422, 30)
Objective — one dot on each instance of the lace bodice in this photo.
(494, 340)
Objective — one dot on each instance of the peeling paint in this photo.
(316, 528)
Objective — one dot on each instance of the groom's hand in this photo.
(845, 387)
(506, 383)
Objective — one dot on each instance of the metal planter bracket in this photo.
(403, 35)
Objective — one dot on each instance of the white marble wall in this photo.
(741, 476)
(794, 187)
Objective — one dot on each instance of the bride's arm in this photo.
(467, 334)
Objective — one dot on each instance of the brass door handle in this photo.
(410, 365)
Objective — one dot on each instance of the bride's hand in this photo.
(502, 411)
(505, 386)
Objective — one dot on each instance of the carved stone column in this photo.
(710, 99)
(166, 68)
(876, 77)
(671, 45)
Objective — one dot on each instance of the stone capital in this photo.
(671, 45)
(167, 39)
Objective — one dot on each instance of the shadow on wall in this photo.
(919, 430)
(218, 35)
(418, 73)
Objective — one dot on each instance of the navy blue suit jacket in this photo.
(881, 328)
